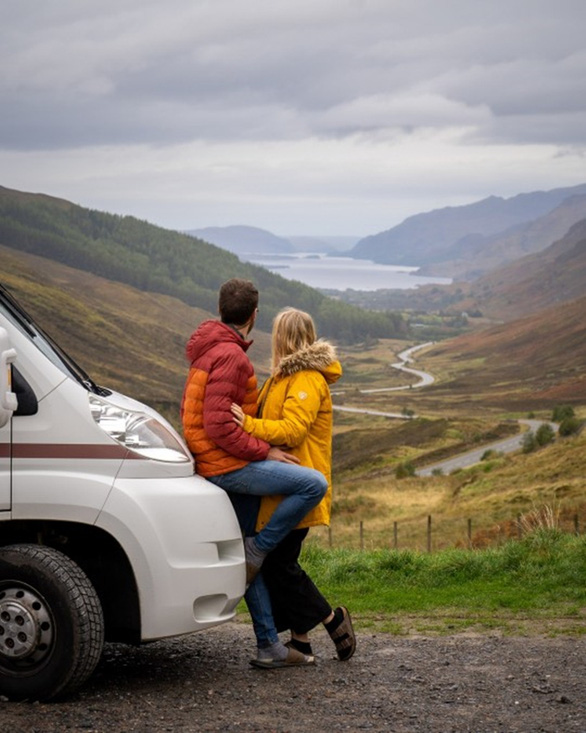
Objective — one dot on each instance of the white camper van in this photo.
(105, 531)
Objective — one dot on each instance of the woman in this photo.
(295, 410)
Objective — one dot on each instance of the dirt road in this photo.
(463, 683)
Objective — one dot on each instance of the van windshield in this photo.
(15, 313)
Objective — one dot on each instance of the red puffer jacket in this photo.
(220, 374)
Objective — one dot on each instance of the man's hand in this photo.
(276, 454)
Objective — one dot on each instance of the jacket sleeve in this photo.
(299, 412)
(227, 383)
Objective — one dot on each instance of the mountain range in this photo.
(459, 242)
(483, 234)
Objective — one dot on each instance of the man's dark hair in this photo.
(237, 302)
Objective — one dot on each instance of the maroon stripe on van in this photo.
(4, 450)
(71, 450)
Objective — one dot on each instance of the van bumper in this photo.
(184, 544)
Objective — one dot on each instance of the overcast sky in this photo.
(322, 117)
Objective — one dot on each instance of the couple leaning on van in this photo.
(271, 451)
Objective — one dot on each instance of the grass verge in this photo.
(528, 586)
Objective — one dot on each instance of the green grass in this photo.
(535, 585)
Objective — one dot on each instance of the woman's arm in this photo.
(298, 413)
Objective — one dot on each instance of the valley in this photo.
(506, 348)
(377, 460)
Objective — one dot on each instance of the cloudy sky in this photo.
(317, 117)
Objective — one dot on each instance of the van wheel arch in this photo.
(51, 623)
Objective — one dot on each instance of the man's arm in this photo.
(227, 383)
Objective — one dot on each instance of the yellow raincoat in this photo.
(295, 411)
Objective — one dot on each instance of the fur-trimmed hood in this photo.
(295, 410)
(320, 356)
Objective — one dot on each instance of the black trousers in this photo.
(297, 603)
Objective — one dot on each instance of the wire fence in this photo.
(429, 537)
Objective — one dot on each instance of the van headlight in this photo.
(139, 432)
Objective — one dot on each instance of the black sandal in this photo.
(343, 637)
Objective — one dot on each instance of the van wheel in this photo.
(51, 623)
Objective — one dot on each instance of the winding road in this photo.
(406, 358)
(463, 460)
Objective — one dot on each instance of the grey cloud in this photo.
(130, 71)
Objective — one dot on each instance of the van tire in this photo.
(51, 623)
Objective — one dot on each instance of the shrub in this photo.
(404, 470)
(529, 444)
(561, 412)
(545, 434)
(570, 426)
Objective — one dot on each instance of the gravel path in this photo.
(463, 683)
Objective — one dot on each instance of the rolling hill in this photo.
(554, 275)
(530, 363)
(157, 260)
(469, 260)
(243, 239)
(526, 285)
(124, 338)
(445, 234)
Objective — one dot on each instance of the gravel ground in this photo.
(203, 682)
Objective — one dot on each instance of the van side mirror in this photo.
(8, 401)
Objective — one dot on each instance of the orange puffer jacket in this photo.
(220, 373)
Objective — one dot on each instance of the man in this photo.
(221, 373)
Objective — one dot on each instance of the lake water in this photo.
(342, 273)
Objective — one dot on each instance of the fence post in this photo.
(361, 535)
(519, 527)
(576, 525)
(429, 532)
(395, 535)
(330, 536)
(470, 532)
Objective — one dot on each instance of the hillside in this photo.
(527, 364)
(436, 236)
(555, 275)
(156, 260)
(125, 339)
(527, 285)
(473, 257)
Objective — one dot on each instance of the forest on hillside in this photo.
(153, 259)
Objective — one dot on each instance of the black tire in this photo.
(51, 623)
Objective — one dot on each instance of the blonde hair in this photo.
(293, 330)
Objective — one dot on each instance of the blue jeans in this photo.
(302, 488)
(257, 596)
(259, 605)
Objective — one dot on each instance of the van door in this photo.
(5, 449)
(8, 404)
